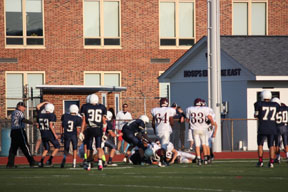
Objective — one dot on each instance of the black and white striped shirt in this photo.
(16, 120)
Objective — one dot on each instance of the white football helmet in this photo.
(49, 107)
(276, 100)
(94, 99)
(148, 152)
(73, 109)
(88, 99)
(265, 94)
(109, 115)
(144, 118)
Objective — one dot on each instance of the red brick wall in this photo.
(64, 59)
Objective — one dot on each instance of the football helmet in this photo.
(88, 99)
(265, 94)
(198, 102)
(94, 99)
(73, 109)
(276, 100)
(49, 107)
(203, 103)
(109, 115)
(164, 102)
(144, 118)
(148, 152)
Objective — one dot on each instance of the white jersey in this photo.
(198, 117)
(162, 115)
(122, 118)
(169, 150)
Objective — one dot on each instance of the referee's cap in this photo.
(20, 104)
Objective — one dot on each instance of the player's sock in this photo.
(100, 162)
(85, 156)
(287, 155)
(278, 156)
(50, 159)
(271, 160)
(110, 160)
(74, 161)
(104, 158)
(260, 159)
(42, 159)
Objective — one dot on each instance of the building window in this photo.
(67, 104)
(21, 85)
(24, 23)
(249, 17)
(102, 78)
(164, 88)
(102, 23)
(177, 23)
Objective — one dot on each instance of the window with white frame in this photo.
(101, 23)
(20, 85)
(177, 23)
(102, 78)
(164, 88)
(24, 23)
(249, 17)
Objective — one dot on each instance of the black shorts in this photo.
(49, 137)
(262, 137)
(68, 138)
(92, 133)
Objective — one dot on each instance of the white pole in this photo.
(215, 66)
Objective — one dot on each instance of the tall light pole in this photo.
(214, 66)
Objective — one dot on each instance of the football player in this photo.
(199, 118)
(94, 114)
(46, 122)
(265, 112)
(131, 132)
(70, 123)
(175, 156)
(281, 120)
(107, 139)
(163, 121)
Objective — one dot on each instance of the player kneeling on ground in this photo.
(130, 130)
(70, 123)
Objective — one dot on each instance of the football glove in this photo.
(81, 136)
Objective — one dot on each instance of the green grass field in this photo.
(228, 175)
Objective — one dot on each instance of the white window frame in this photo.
(25, 81)
(101, 73)
(160, 72)
(102, 37)
(177, 46)
(104, 98)
(249, 16)
(63, 109)
(24, 37)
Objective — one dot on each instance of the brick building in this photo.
(116, 48)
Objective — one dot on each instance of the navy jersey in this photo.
(266, 114)
(94, 114)
(282, 116)
(84, 106)
(135, 126)
(44, 120)
(70, 123)
(16, 120)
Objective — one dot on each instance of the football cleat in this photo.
(259, 164)
(270, 165)
(40, 164)
(278, 161)
(199, 162)
(100, 167)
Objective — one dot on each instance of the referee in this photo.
(19, 137)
